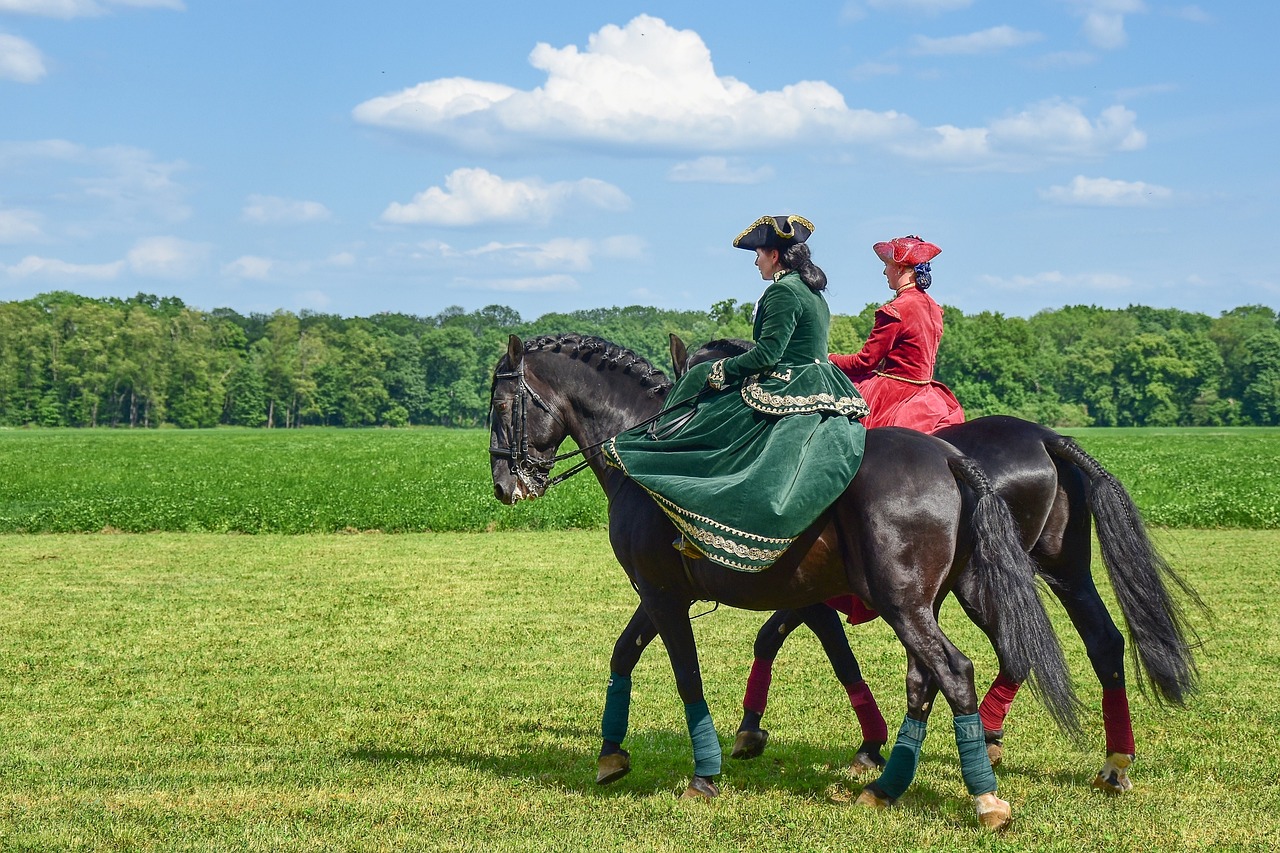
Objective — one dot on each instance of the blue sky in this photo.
(411, 156)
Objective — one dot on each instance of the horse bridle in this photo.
(528, 467)
(525, 465)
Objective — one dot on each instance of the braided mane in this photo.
(611, 357)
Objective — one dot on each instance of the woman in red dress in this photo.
(894, 368)
(894, 373)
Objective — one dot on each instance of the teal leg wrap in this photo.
(706, 745)
(617, 708)
(901, 767)
(979, 778)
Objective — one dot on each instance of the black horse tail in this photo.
(1006, 583)
(1162, 638)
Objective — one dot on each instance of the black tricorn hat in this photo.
(774, 232)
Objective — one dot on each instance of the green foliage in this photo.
(66, 360)
(325, 480)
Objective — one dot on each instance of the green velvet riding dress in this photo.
(764, 455)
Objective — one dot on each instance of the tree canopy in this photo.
(148, 361)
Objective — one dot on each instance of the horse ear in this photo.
(679, 355)
(515, 351)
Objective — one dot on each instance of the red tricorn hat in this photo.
(774, 232)
(906, 251)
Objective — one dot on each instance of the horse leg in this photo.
(751, 739)
(1065, 558)
(825, 623)
(614, 762)
(670, 613)
(1105, 646)
(952, 673)
(995, 704)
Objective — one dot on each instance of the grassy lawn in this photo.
(442, 691)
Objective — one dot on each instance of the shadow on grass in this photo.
(662, 764)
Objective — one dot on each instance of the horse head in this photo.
(524, 428)
(682, 359)
(558, 386)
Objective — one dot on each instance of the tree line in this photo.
(147, 361)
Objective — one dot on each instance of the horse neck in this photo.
(596, 403)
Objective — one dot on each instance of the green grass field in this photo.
(416, 480)
(354, 690)
(443, 692)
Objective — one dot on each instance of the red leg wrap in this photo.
(869, 717)
(1116, 720)
(995, 705)
(758, 686)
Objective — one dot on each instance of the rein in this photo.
(527, 464)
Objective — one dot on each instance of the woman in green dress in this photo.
(774, 437)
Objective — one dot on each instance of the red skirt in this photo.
(927, 407)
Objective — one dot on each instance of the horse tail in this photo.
(1006, 587)
(1162, 638)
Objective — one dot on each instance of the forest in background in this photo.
(148, 361)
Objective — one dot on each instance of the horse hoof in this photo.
(995, 745)
(701, 788)
(613, 767)
(1113, 778)
(749, 744)
(868, 760)
(993, 813)
(872, 800)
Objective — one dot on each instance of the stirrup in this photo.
(685, 547)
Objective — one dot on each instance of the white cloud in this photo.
(249, 266)
(1060, 284)
(68, 9)
(562, 253)
(984, 41)
(1064, 59)
(718, 170)
(1106, 192)
(270, 210)
(1104, 20)
(166, 257)
(535, 284)
(559, 253)
(20, 60)
(623, 246)
(857, 9)
(1191, 13)
(20, 226)
(34, 266)
(341, 259)
(1136, 92)
(1048, 131)
(477, 196)
(642, 87)
(97, 189)
(647, 87)
(868, 70)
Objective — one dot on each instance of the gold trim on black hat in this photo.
(781, 231)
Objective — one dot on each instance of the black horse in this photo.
(917, 512)
(1057, 492)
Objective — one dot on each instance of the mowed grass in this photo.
(443, 692)
(433, 479)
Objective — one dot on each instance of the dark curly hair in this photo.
(796, 258)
